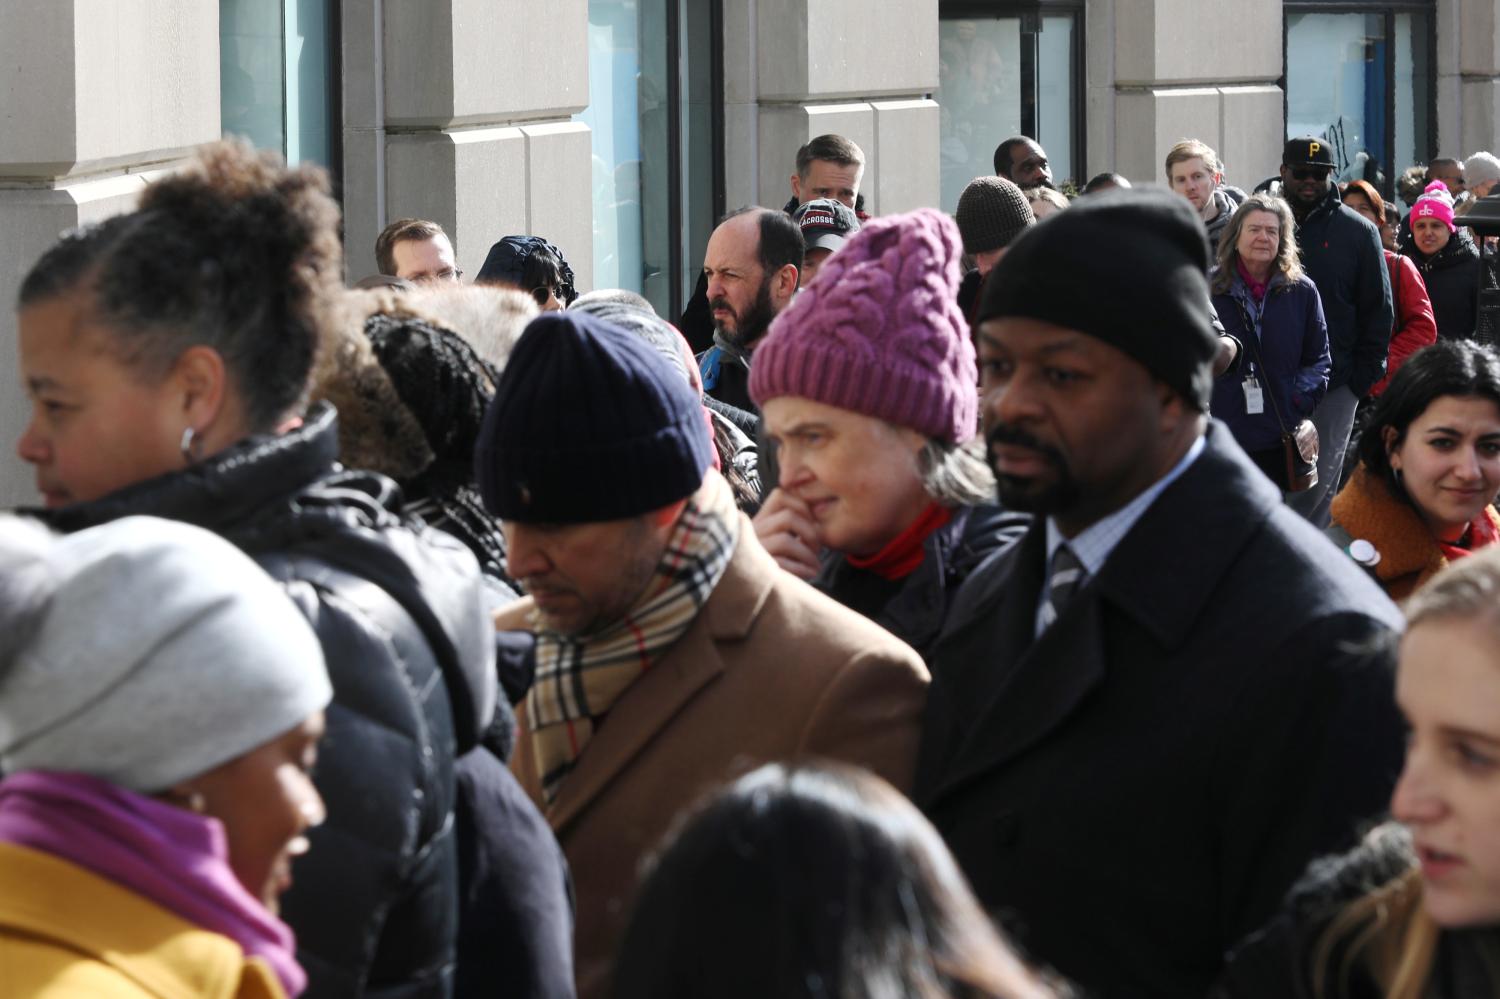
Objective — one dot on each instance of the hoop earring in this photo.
(189, 436)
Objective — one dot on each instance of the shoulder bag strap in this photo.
(1264, 374)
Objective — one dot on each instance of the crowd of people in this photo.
(997, 604)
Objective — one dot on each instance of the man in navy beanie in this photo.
(672, 652)
(1151, 712)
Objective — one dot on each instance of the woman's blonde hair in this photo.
(1288, 258)
(1388, 931)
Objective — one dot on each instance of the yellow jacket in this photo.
(66, 933)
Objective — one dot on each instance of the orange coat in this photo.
(770, 670)
(1409, 555)
(66, 932)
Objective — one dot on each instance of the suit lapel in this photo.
(1037, 691)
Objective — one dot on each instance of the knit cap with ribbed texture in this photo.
(991, 212)
(1436, 202)
(588, 424)
(879, 331)
(1128, 267)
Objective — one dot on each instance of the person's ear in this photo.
(785, 285)
(201, 380)
(797, 187)
(1388, 437)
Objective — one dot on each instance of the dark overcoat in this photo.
(1136, 789)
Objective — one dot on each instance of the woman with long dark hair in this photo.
(1429, 468)
(813, 882)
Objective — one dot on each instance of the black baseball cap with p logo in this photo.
(1306, 151)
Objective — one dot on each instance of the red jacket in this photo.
(1415, 326)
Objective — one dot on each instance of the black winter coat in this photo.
(1452, 278)
(1135, 790)
(914, 608)
(1280, 959)
(1341, 253)
(411, 657)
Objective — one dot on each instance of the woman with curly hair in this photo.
(168, 354)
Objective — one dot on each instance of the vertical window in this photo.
(1004, 69)
(279, 76)
(1361, 77)
(653, 112)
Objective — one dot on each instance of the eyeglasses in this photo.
(434, 277)
(1311, 173)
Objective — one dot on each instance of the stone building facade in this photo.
(489, 115)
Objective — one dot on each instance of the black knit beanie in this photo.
(991, 212)
(588, 424)
(1126, 266)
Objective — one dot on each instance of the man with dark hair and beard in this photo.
(752, 265)
(1172, 693)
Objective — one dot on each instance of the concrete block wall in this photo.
(1163, 70)
(461, 111)
(100, 96)
(794, 69)
(1468, 76)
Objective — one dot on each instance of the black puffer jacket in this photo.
(914, 608)
(1279, 959)
(411, 656)
(1452, 278)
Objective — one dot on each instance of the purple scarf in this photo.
(166, 854)
(1256, 288)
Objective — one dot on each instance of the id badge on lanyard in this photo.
(1255, 396)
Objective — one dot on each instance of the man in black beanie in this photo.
(655, 607)
(1150, 713)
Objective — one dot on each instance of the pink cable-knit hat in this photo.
(879, 331)
(1435, 203)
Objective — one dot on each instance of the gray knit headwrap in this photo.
(145, 652)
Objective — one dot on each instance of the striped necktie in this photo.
(1067, 575)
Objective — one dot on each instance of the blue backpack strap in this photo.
(713, 358)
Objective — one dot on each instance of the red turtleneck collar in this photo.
(904, 553)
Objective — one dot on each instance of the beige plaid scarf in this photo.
(579, 679)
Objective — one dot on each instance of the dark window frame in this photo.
(1387, 9)
(677, 292)
(953, 10)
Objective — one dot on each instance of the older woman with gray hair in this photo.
(1270, 306)
(868, 389)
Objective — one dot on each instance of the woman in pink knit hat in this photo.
(1449, 262)
(868, 390)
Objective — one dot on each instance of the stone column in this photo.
(795, 69)
(100, 96)
(1468, 73)
(460, 111)
(1163, 70)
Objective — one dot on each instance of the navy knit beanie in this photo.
(588, 424)
(1128, 267)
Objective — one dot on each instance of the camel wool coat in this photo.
(771, 670)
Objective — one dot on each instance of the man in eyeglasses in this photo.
(418, 251)
(1341, 254)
